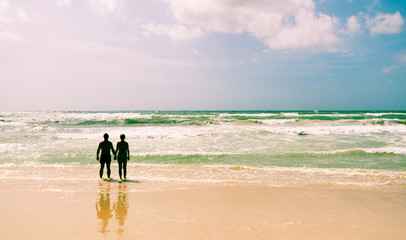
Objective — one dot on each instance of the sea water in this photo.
(271, 147)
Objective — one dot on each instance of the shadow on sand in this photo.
(119, 181)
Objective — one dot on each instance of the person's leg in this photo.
(125, 168)
(108, 168)
(120, 166)
(101, 169)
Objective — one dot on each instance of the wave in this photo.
(340, 159)
(96, 122)
(201, 117)
(202, 121)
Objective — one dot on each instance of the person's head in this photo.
(122, 136)
(106, 136)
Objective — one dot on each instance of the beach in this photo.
(220, 120)
(78, 205)
(205, 175)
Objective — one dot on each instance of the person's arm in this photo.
(98, 151)
(128, 152)
(115, 156)
(112, 149)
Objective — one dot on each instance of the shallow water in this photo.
(262, 143)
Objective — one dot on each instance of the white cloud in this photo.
(22, 16)
(348, 54)
(400, 62)
(309, 31)
(4, 5)
(353, 25)
(9, 16)
(9, 36)
(401, 57)
(104, 6)
(387, 69)
(176, 32)
(4, 11)
(385, 23)
(63, 2)
(289, 24)
(117, 55)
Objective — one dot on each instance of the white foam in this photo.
(290, 114)
(49, 177)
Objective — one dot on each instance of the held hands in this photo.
(115, 157)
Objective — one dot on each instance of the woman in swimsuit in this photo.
(123, 154)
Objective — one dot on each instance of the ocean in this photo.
(277, 148)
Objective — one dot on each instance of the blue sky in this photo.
(202, 55)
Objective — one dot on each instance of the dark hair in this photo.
(106, 136)
(122, 136)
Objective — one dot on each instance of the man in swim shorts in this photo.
(123, 155)
(105, 157)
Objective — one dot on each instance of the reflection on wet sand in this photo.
(121, 207)
(105, 210)
(103, 206)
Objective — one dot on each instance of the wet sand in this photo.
(128, 210)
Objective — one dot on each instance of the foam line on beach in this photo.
(82, 177)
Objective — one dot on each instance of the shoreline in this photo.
(81, 178)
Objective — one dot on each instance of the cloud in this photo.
(4, 12)
(4, 5)
(63, 3)
(353, 25)
(9, 16)
(385, 23)
(387, 69)
(176, 32)
(401, 57)
(91, 50)
(104, 6)
(9, 36)
(289, 24)
(308, 32)
(400, 62)
(22, 16)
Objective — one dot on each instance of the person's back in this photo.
(123, 155)
(105, 147)
(105, 157)
(122, 148)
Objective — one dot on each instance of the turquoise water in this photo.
(308, 139)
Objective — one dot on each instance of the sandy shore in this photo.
(244, 212)
(52, 208)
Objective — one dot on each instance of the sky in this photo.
(202, 55)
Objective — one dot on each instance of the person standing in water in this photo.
(105, 157)
(123, 155)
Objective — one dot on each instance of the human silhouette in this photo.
(105, 157)
(123, 152)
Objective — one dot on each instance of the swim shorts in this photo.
(105, 158)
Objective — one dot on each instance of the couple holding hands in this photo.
(122, 154)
